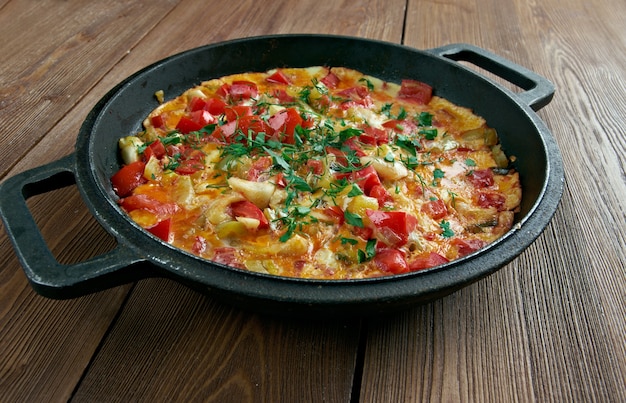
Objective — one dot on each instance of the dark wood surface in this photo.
(549, 326)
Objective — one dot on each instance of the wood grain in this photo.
(549, 326)
(519, 334)
(41, 83)
(256, 379)
(198, 350)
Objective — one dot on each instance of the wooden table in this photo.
(550, 326)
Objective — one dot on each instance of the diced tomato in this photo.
(225, 132)
(243, 90)
(128, 178)
(362, 232)
(199, 245)
(467, 246)
(282, 95)
(260, 166)
(424, 262)
(191, 161)
(236, 111)
(188, 167)
(228, 256)
(157, 121)
(381, 194)
(374, 136)
(315, 166)
(162, 230)
(278, 77)
(253, 125)
(156, 149)
(280, 180)
(223, 91)
(415, 91)
(330, 80)
(405, 127)
(335, 213)
(197, 104)
(357, 92)
(392, 227)
(285, 122)
(391, 261)
(353, 144)
(187, 125)
(366, 179)
(486, 200)
(481, 178)
(435, 209)
(248, 209)
(357, 96)
(213, 105)
(195, 121)
(145, 202)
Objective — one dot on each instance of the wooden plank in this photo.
(173, 344)
(267, 357)
(293, 352)
(528, 333)
(59, 56)
(47, 340)
(66, 49)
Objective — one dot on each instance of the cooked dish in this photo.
(318, 173)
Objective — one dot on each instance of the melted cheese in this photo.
(298, 194)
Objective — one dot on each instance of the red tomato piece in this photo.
(467, 246)
(128, 178)
(235, 112)
(486, 200)
(366, 179)
(278, 77)
(228, 256)
(374, 136)
(157, 121)
(199, 245)
(248, 209)
(391, 261)
(162, 230)
(260, 166)
(335, 213)
(380, 193)
(225, 132)
(187, 125)
(253, 125)
(315, 166)
(424, 262)
(192, 161)
(188, 167)
(435, 209)
(392, 227)
(330, 80)
(214, 106)
(285, 122)
(405, 127)
(282, 96)
(156, 149)
(243, 90)
(481, 178)
(145, 202)
(415, 91)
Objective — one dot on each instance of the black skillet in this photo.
(138, 254)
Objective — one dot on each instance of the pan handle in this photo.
(47, 276)
(538, 91)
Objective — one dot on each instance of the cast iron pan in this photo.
(138, 254)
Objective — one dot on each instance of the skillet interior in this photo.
(122, 111)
